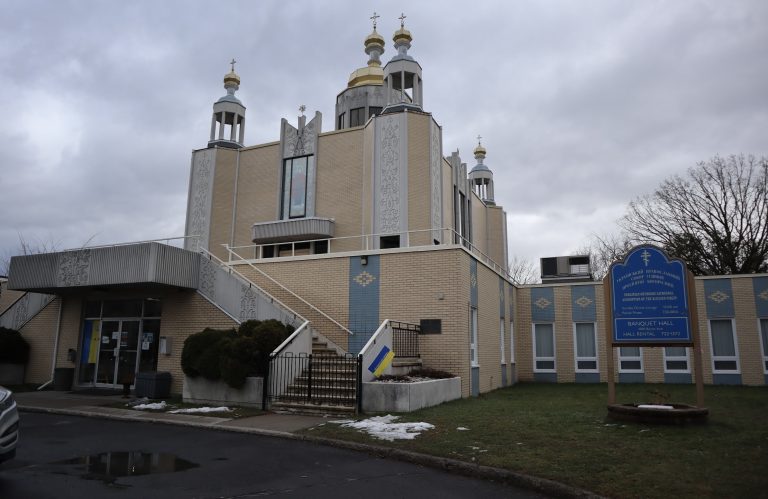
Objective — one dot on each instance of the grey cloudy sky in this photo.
(582, 105)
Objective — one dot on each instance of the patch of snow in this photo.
(655, 406)
(156, 406)
(461, 428)
(201, 410)
(385, 428)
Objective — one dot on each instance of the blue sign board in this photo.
(650, 298)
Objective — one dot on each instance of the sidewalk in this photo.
(75, 404)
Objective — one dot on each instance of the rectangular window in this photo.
(374, 111)
(586, 346)
(340, 122)
(511, 342)
(676, 360)
(321, 246)
(501, 339)
(543, 348)
(357, 116)
(430, 326)
(630, 360)
(296, 171)
(389, 242)
(724, 356)
(473, 337)
(764, 342)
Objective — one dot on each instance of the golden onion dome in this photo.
(231, 77)
(374, 38)
(479, 150)
(402, 34)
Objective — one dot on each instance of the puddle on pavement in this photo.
(109, 466)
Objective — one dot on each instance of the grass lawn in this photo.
(176, 403)
(560, 432)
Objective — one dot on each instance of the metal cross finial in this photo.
(302, 108)
(374, 17)
(478, 139)
(402, 20)
(232, 62)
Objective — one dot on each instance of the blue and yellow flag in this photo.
(382, 361)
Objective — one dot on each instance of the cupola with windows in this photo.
(481, 176)
(402, 75)
(364, 95)
(228, 121)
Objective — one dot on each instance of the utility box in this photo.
(153, 385)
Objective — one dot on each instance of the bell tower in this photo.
(481, 176)
(228, 120)
(402, 75)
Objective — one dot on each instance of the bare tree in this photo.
(715, 218)
(523, 271)
(603, 250)
(32, 246)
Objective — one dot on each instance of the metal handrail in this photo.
(163, 240)
(239, 258)
(366, 238)
(290, 339)
(231, 270)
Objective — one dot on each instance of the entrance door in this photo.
(118, 351)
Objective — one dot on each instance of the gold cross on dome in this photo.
(478, 139)
(232, 62)
(374, 17)
(302, 108)
(402, 20)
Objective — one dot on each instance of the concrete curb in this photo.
(543, 485)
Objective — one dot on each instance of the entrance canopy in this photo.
(108, 266)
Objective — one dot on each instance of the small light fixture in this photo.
(364, 260)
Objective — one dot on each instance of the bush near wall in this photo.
(232, 355)
(14, 349)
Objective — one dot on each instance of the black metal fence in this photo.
(331, 380)
(405, 339)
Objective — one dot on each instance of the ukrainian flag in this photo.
(382, 361)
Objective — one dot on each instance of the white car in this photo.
(9, 425)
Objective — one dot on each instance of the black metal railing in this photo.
(313, 379)
(405, 339)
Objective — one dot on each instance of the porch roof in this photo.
(149, 263)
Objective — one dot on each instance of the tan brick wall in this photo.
(258, 190)
(564, 347)
(447, 199)
(70, 329)
(747, 332)
(222, 202)
(523, 335)
(40, 333)
(496, 243)
(489, 344)
(184, 313)
(424, 277)
(340, 185)
(419, 178)
(8, 297)
(479, 224)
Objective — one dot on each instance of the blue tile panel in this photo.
(678, 378)
(761, 295)
(726, 379)
(474, 376)
(587, 377)
(631, 378)
(718, 296)
(545, 377)
(543, 304)
(502, 299)
(473, 283)
(583, 306)
(364, 286)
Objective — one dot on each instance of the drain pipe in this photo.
(55, 344)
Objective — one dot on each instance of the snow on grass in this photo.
(200, 410)
(385, 428)
(461, 428)
(155, 406)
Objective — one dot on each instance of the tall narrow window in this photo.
(340, 123)
(630, 360)
(511, 341)
(764, 342)
(724, 358)
(586, 346)
(676, 360)
(473, 337)
(296, 171)
(543, 348)
(357, 116)
(501, 339)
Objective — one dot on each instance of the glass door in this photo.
(117, 352)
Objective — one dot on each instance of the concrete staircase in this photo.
(332, 380)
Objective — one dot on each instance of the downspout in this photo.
(55, 344)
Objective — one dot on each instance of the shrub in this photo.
(232, 355)
(14, 349)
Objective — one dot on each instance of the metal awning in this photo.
(298, 229)
(130, 264)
